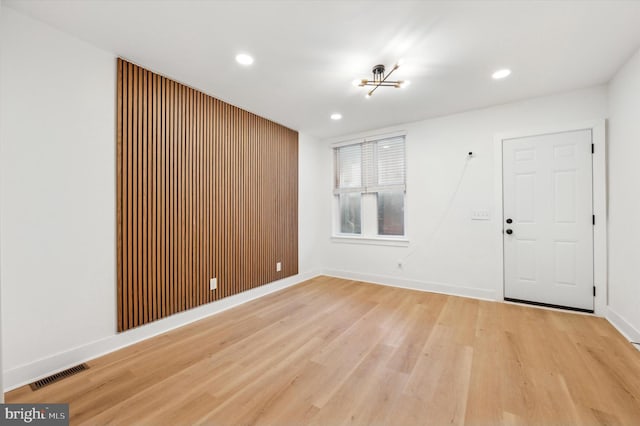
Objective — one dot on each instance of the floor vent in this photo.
(58, 376)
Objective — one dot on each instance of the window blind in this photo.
(349, 168)
(371, 166)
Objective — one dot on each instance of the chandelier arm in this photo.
(385, 84)
(390, 72)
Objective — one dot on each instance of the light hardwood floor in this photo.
(332, 351)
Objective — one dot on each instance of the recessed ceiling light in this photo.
(501, 74)
(244, 59)
(336, 116)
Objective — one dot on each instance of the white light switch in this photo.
(213, 283)
(278, 266)
(480, 215)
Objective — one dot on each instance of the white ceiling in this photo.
(307, 53)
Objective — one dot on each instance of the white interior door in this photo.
(548, 228)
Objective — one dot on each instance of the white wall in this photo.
(624, 199)
(460, 256)
(58, 191)
(57, 205)
(309, 204)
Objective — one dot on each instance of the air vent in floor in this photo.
(58, 376)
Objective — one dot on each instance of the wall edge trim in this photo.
(409, 284)
(623, 326)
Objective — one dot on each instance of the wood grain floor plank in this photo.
(333, 351)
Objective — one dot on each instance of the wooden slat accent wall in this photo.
(204, 189)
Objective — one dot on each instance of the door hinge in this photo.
(593, 219)
(594, 291)
(593, 148)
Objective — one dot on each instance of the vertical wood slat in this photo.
(134, 179)
(140, 200)
(158, 202)
(204, 189)
(173, 205)
(121, 267)
(146, 287)
(179, 104)
(129, 185)
(154, 198)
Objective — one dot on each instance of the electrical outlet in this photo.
(213, 283)
(278, 266)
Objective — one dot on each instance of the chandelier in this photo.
(380, 79)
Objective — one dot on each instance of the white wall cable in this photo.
(432, 236)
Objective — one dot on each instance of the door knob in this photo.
(509, 231)
(509, 220)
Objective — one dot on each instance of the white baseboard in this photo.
(36, 370)
(623, 326)
(433, 287)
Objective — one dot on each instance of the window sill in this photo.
(376, 241)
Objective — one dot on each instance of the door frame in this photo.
(599, 188)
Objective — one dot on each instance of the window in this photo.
(370, 188)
